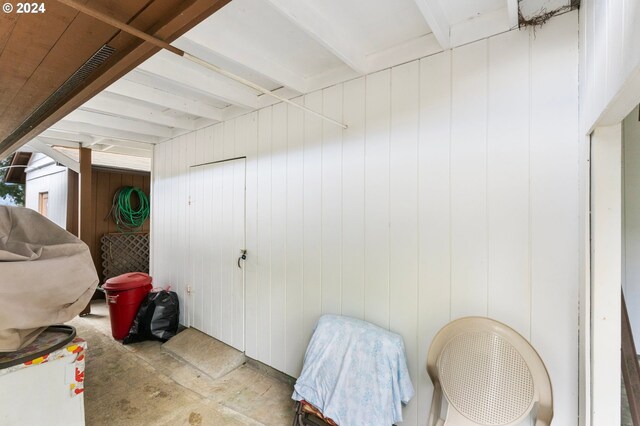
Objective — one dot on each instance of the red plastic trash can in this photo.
(124, 295)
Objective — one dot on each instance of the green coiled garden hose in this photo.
(128, 216)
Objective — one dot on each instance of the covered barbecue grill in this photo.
(47, 276)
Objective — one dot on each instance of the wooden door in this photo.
(217, 238)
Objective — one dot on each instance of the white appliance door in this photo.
(40, 395)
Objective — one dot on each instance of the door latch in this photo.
(242, 257)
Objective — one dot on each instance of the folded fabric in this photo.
(47, 276)
(355, 373)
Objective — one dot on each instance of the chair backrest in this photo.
(489, 374)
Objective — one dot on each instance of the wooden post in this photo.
(72, 202)
(84, 206)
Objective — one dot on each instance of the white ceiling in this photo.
(289, 46)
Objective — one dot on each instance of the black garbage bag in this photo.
(157, 318)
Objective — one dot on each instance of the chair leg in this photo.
(297, 418)
(436, 404)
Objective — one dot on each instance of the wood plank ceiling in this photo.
(39, 52)
(292, 47)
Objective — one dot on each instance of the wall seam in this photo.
(530, 195)
(364, 201)
(286, 228)
(451, 53)
(486, 173)
(389, 199)
(418, 228)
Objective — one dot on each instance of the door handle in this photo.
(243, 257)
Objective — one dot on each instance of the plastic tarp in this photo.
(47, 276)
(157, 318)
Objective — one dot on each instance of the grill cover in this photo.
(47, 276)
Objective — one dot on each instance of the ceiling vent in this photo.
(76, 79)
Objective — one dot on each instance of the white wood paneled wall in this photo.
(453, 192)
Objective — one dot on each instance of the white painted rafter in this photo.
(163, 98)
(437, 21)
(57, 156)
(66, 136)
(324, 31)
(512, 12)
(171, 67)
(233, 48)
(116, 105)
(139, 146)
(106, 132)
(119, 123)
(112, 147)
(59, 142)
(123, 150)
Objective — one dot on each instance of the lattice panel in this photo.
(122, 253)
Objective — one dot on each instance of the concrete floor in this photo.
(148, 384)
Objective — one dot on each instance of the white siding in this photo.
(52, 179)
(554, 239)
(454, 191)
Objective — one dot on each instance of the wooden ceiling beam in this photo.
(123, 150)
(118, 123)
(193, 60)
(513, 13)
(437, 20)
(67, 143)
(180, 71)
(230, 47)
(324, 31)
(57, 156)
(138, 146)
(164, 98)
(106, 132)
(107, 103)
(66, 136)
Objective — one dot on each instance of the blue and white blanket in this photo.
(355, 373)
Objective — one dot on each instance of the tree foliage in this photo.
(12, 193)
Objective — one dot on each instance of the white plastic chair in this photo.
(489, 375)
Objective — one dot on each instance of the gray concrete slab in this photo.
(209, 355)
(143, 384)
